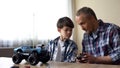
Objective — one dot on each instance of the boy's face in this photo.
(65, 32)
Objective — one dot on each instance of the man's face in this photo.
(85, 23)
(65, 32)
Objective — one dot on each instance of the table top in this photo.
(7, 63)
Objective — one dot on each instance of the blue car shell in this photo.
(27, 49)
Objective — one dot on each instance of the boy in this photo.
(62, 49)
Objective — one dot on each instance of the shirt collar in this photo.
(99, 29)
(101, 26)
(65, 43)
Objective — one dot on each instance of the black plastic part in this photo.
(17, 58)
(33, 59)
(44, 56)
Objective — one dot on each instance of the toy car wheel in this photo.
(33, 59)
(17, 58)
(19, 51)
(26, 58)
(44, 56)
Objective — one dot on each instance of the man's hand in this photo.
(90, 58)
(87, 58)
(82, 58)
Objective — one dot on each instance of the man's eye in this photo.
(81, 23)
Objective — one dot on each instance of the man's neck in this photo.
(96, 25)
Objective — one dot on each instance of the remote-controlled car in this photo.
(31, 54)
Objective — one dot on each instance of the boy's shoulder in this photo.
(71, 41)
(54, 40)
(67, 41)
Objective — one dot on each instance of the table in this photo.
(7, 63)
(6, 51)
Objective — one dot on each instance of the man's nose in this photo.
(83, 28)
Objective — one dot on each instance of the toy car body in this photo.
(31, 54)
(27, 49)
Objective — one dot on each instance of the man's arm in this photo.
(114, 49)
(99, 60)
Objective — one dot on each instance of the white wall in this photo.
(107, 10)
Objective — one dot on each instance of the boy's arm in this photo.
(74, 53)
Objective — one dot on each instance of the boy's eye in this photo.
(68, 30)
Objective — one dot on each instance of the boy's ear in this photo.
(58, 29)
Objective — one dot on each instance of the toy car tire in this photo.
(33, 59)
(19, 51)
(17, 58)
(44, 57)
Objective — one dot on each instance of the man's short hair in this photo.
(86, 10)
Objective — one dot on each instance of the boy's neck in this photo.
(62, 39)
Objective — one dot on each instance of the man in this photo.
(101, 41)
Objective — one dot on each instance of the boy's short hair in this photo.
(65, 21)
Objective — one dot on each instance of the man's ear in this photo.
(58, 29)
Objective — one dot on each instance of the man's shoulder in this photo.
(112, 27)
(108, 26)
